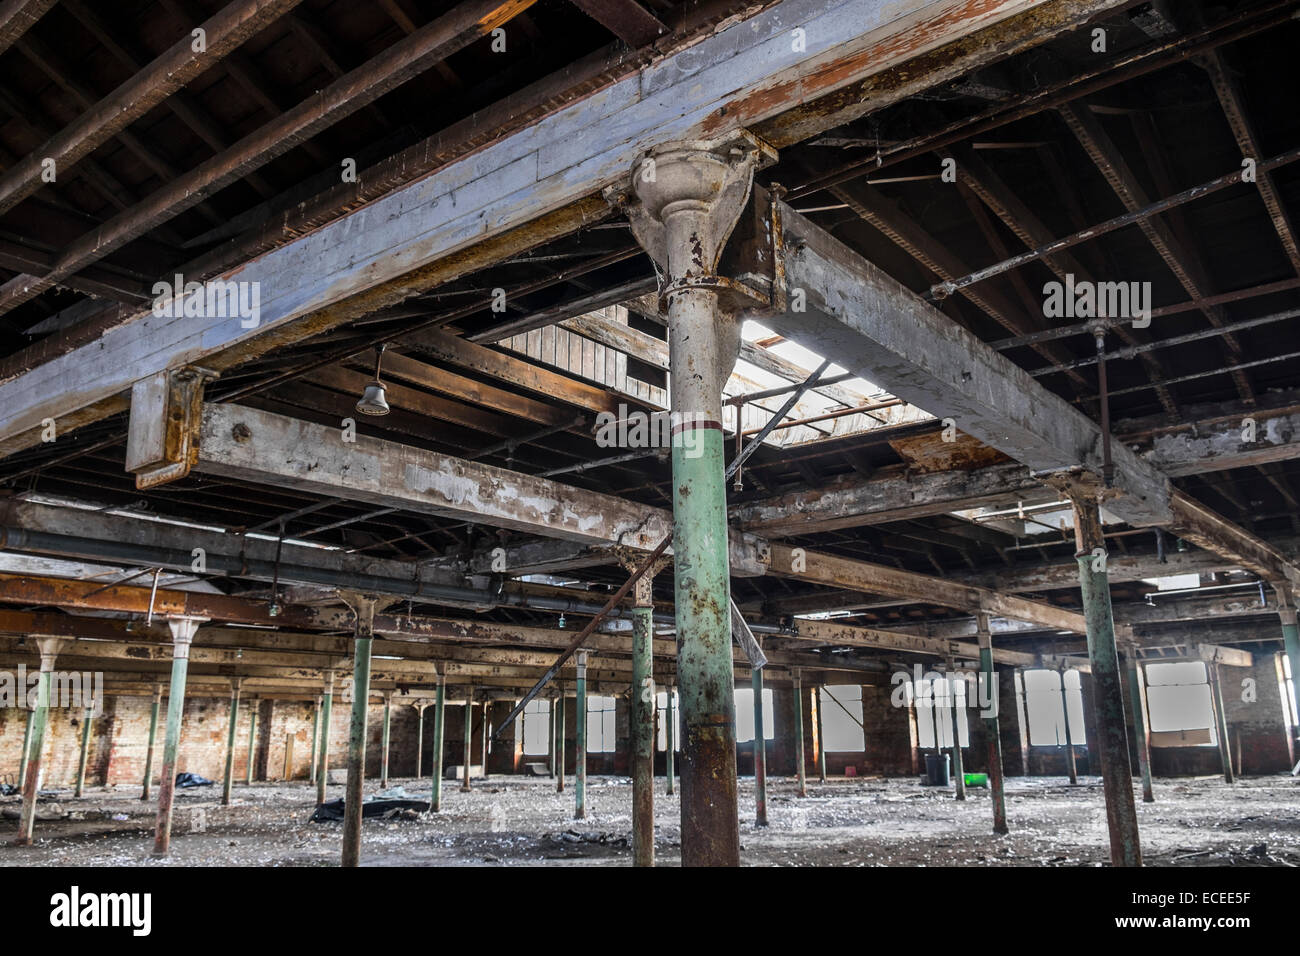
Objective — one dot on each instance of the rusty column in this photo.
(643, 716)
(550, 737)
(1137, 693)
(670, 740)
(989, 706)
(182, 629)
(363, 607)
(439, 715)
(49, 648)
(800, 758)
(419, 739)
(323, 760)
(27, 745)
(1071, 765)
(1116, 770)
(580, 756)
(252, 741)
(227, 778)
(465, 786)
(87, 718)
(487, 735)
(383, 760)
(1220, 721)
(689, 198)
(154, 706)
(1286, 609)
(958, 772)
(315, 741)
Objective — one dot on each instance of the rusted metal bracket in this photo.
(166, 414)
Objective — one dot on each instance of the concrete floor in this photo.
(523, 821)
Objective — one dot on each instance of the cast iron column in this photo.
(643, 717)
(990, 704)
(670, 739)
(1137, 693)
(580, 757)
(153, 739)
(1116, 770)
(363, 607)
(559, 733)
(465, 786)
(86, 720)
(484, 738)
(227, 778)
(419, 740)
(49, 648)
(323, 761)
(315, 741)
(550, 737)
(383, 765)
(818, 694)
(439, 717)
(958, 773)
(27, 745)
(800, 758)
(690, 197)
(252, 741)
(1220, 721)
(1290, 634)
(760, 750)
(182, 629)
(1071, 765)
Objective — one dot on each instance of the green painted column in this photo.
(643, 726)
(363, 607)
(383, 760)
(419, 740)
(670, 737)
(323, 760)
(182, 629)
(468, 761)
(760, 749)
(228, 777)
(1112, 746)
(1220, 722)
(315, 741)
(580, 757)
(87, 719)
(1290, 637)
(49, 648)
(439, 714)
(990, 705)
(27, 746)
(559, 750)
(958, 771)
(252, 741)
(1137, 694)
(1071, 762)
(550, 730)
(801, 758)
(153, 737)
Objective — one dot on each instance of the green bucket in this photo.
(977, 780)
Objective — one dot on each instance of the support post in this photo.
(958, 772)
(252, 741)
(1220, 722)
(550, 730)
(487, 734)
(990, 705)
(760, 750)
(182, 629)
(419, 740)
(154, 707)
(1137, 693)
(87, 719)
(465, 786)
(801, 758)
(439, 716)
(643, 723)
(383, 765)
(559, 749)
(821, 734)
(227, 779)
(1116, 770)
(27, 746)
(315, 741)
(1071, 765)
(670, 738)
(1290, 634)
(690, 196)
(363, 607)
(580, 757)
(323, 760)
(49, 648)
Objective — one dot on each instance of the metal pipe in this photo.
(87, 718)
(323, 761)
(760, 750)
(1137, 695)
(991, 729)
(153, 737)
(1099, 621)
(439, 714)
(580, 757)
(800, 757)
(182, 630)
(227, 778)
(827, 416)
